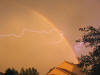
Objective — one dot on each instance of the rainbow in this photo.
(45, 32)
(57, 30)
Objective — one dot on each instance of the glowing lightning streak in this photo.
(23, 32)
(60, 40)
(34, 31)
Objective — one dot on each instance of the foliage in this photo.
(11, 72)
(90, 63)
(28, 71)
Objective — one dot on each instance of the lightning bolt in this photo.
(60, 40)
(23, 32)
(32, 31)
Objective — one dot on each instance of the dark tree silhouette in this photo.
(90, 63)
(29, 71)
(22, 72)
(11, 72)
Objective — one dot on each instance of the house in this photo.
(66, 68)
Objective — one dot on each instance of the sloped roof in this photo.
(65, 68)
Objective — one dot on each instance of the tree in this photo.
(29, 71)
(22, 72)
(11, 72)
(90, 63)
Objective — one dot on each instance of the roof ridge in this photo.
(69, 62)
(65, 71)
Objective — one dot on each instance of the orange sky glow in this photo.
(33, 42)
(42, 33)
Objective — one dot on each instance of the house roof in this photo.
(64, 69)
